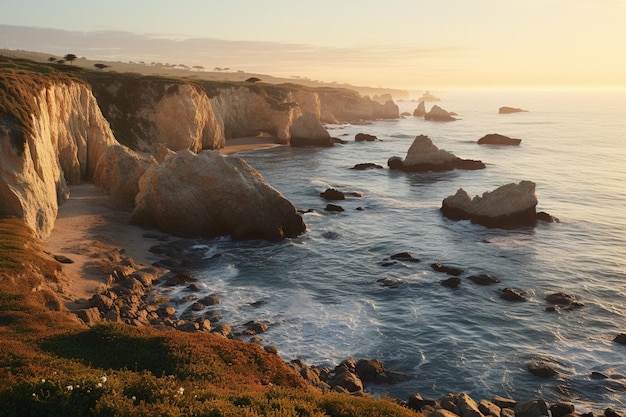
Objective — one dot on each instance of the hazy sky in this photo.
(434, 44)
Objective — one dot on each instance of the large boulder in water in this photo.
(498, 139)
(510, 206)
(438, 114)
(509, 110)
(424, 156)
(307, 130)
(207, 195)
(420, 110)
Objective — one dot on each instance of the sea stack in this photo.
(307, 130)
(498, 139)
(424, 156)
(438, 114)
(508, 207)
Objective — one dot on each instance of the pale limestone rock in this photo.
(118, 172)
(67, 139)
(208, 195)
(184, 119)
(308, 130)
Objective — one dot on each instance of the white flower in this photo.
(99, 385)
(181, 391)
(43, 380)
(69, 387)
(134, 398)
(103, 379)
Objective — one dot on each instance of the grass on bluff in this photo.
(52, 365)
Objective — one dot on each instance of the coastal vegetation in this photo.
(53, 365)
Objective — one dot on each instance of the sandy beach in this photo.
(91, 233)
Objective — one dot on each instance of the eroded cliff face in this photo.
(145, 112)
(61, 139)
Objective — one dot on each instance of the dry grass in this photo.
(52, 365)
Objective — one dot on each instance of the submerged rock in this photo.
(424, 156)
(364, 137)
(208, 195)
(510, 206)
(332, 194)
(366, 165)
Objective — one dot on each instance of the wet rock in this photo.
(545, 217)
(369, 369)
(424, 156)
(437, 266)
(451, 282)
(390, 282)
(620, 338)
(404, 257)
(609, 412)
(513, 294)
(333, 207)
(210, 300)
(484, 279)
(364, 137)
(503, 402)
(222, 330)
(255, 327)
(178, 278)
(367, 165)
(332, 194)
(417, 402)
(564, 301)
(542, 370)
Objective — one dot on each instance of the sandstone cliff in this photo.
(58, 139)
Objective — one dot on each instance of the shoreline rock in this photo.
(498, 139)
(424, 156)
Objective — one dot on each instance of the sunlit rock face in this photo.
(61, 143)
(510, 206)
(424, 155)
(207, 195)
(307, 130)
(438, 114)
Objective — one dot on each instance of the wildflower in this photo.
(103, 379)
(181, 391)
(99, 385)
(69, 387)
(43, 380)
(134, 398)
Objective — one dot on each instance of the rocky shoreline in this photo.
(130, 298)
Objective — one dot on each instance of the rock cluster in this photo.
(424, 156)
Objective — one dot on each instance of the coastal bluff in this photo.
(63, 126)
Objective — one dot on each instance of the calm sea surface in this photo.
(321, 295)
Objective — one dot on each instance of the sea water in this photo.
(321, 293)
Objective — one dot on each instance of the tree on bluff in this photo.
(70, 57)
(253, 80)
(100, 67)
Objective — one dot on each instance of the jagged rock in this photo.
(90, 316)
(489, 409)
(437, 266)
(420, 110)
(503, 402)
(532, 408)
(364, 137)
(497, 139)
(562, 409)
(366, 165)
(207, 195)
(484, 279)
(509, 110)
(389, 282)
(512, 294)
(467, 406)
(307, 130)
(542, 370)
(424, 156)
(509, 206)
(332, 194)
(389, 110)
(438, 114)
(369, 369)
(563, 300)
(417, 402)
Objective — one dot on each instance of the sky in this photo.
(408, 44)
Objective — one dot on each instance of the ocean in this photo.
(321, 292)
